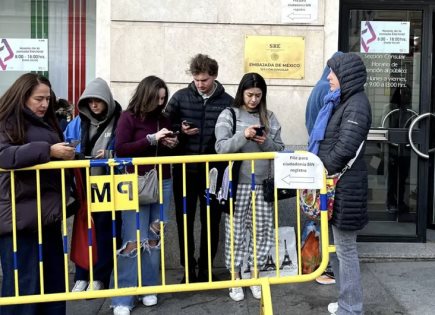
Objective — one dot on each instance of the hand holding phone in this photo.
(73, 143)
(259, 131)
(172, 134)
(190, 124)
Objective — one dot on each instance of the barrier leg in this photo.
(266, 299)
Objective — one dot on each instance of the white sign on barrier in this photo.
(298, 170)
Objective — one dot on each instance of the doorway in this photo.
(396, 46)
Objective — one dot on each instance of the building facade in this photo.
(123, 41)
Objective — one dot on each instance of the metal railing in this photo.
(119, 205)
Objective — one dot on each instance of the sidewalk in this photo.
(404, 287)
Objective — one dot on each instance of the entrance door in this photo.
(396, 48)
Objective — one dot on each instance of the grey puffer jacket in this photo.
(347, 128)
(36, 150)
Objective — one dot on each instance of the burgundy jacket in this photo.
(131, 140)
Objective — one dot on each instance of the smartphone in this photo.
(191, 124)
(259, 131)
(172, 134)
(73, 143)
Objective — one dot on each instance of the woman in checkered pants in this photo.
(257, 130)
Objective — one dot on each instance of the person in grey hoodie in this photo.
(251, 117)
(98, 117)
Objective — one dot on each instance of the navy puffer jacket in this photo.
(347, 128)
(188, 104)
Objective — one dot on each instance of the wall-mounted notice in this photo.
(386, 70)
(275, 57)
(23, 54)
(384, 37)
(299, 11)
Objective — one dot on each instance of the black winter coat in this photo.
(188, 104)
(36, 150)
(347, 128)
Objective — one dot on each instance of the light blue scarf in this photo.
(331, 100)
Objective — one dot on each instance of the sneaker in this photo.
(98, 285)
(256, 291)
(80, 286)
(121, 310)
(333, 308)
(149, 300)
(326, 278)
(237, 294)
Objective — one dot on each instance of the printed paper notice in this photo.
(385, 37)
(299, 11)
(298, 170)
(23, 54)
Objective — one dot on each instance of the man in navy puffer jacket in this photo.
(194, 111)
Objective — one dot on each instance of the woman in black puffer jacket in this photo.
(346, 130)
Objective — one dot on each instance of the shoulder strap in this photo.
(233, 113)
(349, 164)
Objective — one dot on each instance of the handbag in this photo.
(269, 190)
(309, 199)
(310, 251)
(148, 184)
(148, 187)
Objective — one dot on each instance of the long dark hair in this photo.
(146, 97)
(13, 103)
(253, 80)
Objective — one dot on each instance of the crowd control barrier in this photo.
(119, 192)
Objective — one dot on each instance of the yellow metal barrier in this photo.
(117, 205)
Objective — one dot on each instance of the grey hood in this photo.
(97, 88)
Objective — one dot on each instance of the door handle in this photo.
(413, 123)
(410, 119)
(414, 113)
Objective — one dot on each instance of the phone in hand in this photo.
(172, 134)
(190, 123)
(73, 143)
(259, 130)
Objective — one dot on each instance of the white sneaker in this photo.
(333, 308)
(98, 285)
(80, 286)
(256, 291)
(149, 300)
(121, 310)
(237, 294)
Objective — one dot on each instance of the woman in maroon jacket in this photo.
(30, 135)
(143, 131)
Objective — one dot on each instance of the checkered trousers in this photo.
(242, 225)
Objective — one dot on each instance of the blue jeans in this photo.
(150, 253)
(28, 270)
(345, 264)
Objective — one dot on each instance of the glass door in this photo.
(391, 44)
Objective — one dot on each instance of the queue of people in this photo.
(196, 120)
